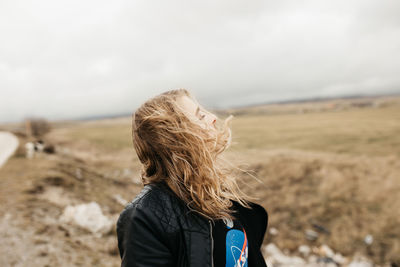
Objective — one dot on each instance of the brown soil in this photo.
(34, 192)
(341, 196)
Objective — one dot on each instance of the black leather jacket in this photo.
(158, 229)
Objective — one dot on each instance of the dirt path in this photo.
(8, 145)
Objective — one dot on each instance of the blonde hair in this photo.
(174, 149)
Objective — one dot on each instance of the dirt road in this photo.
(8, 145)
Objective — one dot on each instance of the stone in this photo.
(304, 250)
(30, 150)
(311, 235)
(326, 251)
(360, 261)
(273, 231)
(360, 264)
(276, 257)
(88, 216)
(368, 240)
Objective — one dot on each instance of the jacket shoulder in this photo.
(153, 204)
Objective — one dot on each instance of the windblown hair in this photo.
(178, 151)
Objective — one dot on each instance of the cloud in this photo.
(69, 59)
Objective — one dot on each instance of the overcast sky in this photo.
(71, 59)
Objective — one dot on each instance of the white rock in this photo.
(304, 250)
(360, 264)
(312, 258)
(275, 255)
(30, 150)
(273, 231)
(369, 239)
(327, 251)
(87, 216)
(272, 249)
(311, 235)
(338, 258)
(269, 262)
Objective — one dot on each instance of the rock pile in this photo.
(322, 256)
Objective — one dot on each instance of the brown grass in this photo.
(349, 196)
(371, 131)
(338, 169)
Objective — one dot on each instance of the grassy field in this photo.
(373, 131)
(338, 169)
(108, 137)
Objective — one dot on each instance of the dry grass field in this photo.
(368, 131)
(332, 170)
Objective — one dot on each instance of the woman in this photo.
(191, 212)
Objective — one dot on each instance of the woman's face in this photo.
(197, 113)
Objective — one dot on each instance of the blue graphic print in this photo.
(236, 248)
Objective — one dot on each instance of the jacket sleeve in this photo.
(141, 241)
